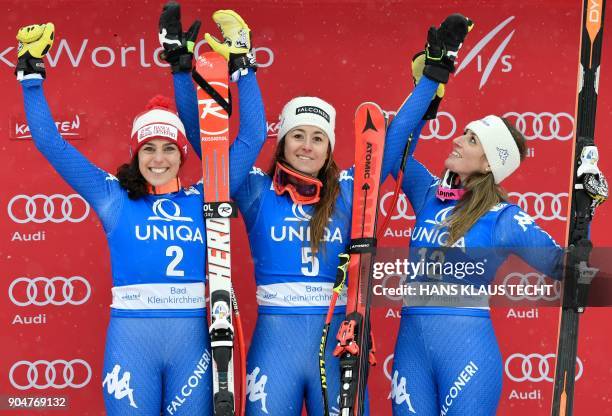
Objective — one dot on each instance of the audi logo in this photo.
(388, 366)
(529, 279)
(443, 127)
(534, 367)
(57, 374)
(545, 206)
(42, 291)
(401, 207)
(545, 126)
(41, 208)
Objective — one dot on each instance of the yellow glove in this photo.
(236, 34)
(34, 42)
(418, 64)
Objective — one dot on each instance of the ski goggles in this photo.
(302, 188)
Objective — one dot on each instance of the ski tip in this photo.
(368, 105)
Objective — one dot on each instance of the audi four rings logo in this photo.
(443, 127)
(388, 366)
(41, 208)
(42, 291)
(57, 374)
(544, 126)
(545, 206)
(535, 367)
(532, 278)
(401, 207)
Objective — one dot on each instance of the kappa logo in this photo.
(255, 389)
(161, 207)
(119, 387)
(398, 392)
(344, 176)
(503, 154)
(523, 219)
(111, 178)
(256, 171)
(497, 56)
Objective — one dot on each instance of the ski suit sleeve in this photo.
(251, 135)
(248, 196)
(417, 183)
(406, 121)
(517, 233)
(99, 188)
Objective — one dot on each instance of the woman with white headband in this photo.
(157, 354)
(447, 360)
(298, 218)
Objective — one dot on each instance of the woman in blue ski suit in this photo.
(298, 218)
(447, 360)
(157, 356)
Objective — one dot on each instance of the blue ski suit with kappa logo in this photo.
(157, 356)
(294, 286)
(447, 360)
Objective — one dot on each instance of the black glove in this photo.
(178, 45)
(34, 43)
(442, 47)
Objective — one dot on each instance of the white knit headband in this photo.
(499, 146)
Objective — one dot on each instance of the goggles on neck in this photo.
(302, 188)
(449, 187)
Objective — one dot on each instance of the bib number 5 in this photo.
(310, 262)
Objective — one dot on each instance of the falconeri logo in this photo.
(312, 110)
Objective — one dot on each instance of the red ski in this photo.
(211, 75)
(355, 347)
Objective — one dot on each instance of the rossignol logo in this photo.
(71, 128)
(497, 56)
(143, 54)
(312, 110)
(158, 130)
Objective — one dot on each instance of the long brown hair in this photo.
(323, 210)
(481, 194)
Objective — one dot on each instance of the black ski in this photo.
(578, 274)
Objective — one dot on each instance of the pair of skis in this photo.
(214, 108)
(578, 274)
(355, 346)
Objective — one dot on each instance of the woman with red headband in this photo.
(157, 356)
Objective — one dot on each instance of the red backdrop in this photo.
(520, 60)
